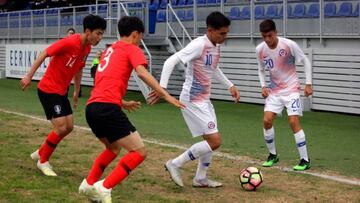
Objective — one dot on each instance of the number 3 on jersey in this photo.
(106, 60)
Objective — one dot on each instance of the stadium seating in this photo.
(289, 11)
(259, 12)
(330, 10)
(211, 2)
(181, 2)
(161, 16)
(181, 14)
(163, 4)
(245, 13)
(234, 13)
(299, 11)
(189, 15)
(272, 12)
(345, 10)
(314, 11)
(201, 2)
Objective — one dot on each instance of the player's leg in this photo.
(273, 106)
(201, 179)
(58, 110)
(135, 156)
(294, 110)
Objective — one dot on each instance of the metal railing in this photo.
(170, 10)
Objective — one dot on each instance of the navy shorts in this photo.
(107, 120)
(54, 105)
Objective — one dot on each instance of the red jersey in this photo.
(113, 72)
(67, 59)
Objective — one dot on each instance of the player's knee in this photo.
(143, 152)
(267, 123)
(215, 143)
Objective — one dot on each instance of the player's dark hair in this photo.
(93, 22)
(71, 29)
(129, 24)
(267, 25)
(217, 20)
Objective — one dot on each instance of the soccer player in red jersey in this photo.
(104, 110)
(68, 57)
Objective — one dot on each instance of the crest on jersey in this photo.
(57, 109)
(211, 125)
(282, 52)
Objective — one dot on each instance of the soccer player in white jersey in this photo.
(202, 58)
(278, 55)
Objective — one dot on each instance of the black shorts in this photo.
(54, 105)
(108, 120)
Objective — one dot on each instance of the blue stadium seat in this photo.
(211, 2)
(234, 13)
(219, 1)
(299, 11)
(189, 2)
(345, 10)
(272, 12)
(181, 14)
(330, 10)
(173, 3)
(245, 13)
(356, 11)
(314, 11)
(163, 4)
(289, 11)
(189, 15)
(181, 2)
(201, 2)
(259, 12)
(161, 16)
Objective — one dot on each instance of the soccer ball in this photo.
(250, 178)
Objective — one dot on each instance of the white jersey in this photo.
(280, 62)
(202, 58)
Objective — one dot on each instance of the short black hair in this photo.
(93, 22)
(217, 20)
(267, 26)
(71, 29)
(129, 24)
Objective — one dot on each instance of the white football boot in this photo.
(85, 188)
(46, 168)
(99, 193)
(206, 183)
(174, 172)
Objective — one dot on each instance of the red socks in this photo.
(126, 164)
(48, 147)
(99, 165)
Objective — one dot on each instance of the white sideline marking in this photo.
(218, 154)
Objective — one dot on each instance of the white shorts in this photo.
(276, 103)
(200, 118)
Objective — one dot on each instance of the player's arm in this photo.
(261, 73)
(221, 78)
(77, 83)
(130, 105)
(145, 76)
(168, 68)
(308, 77)
(300, 57)
(26, 80)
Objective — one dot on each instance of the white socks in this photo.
(301, 144)
(195, 151)
(269, 136)
(203, 166)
